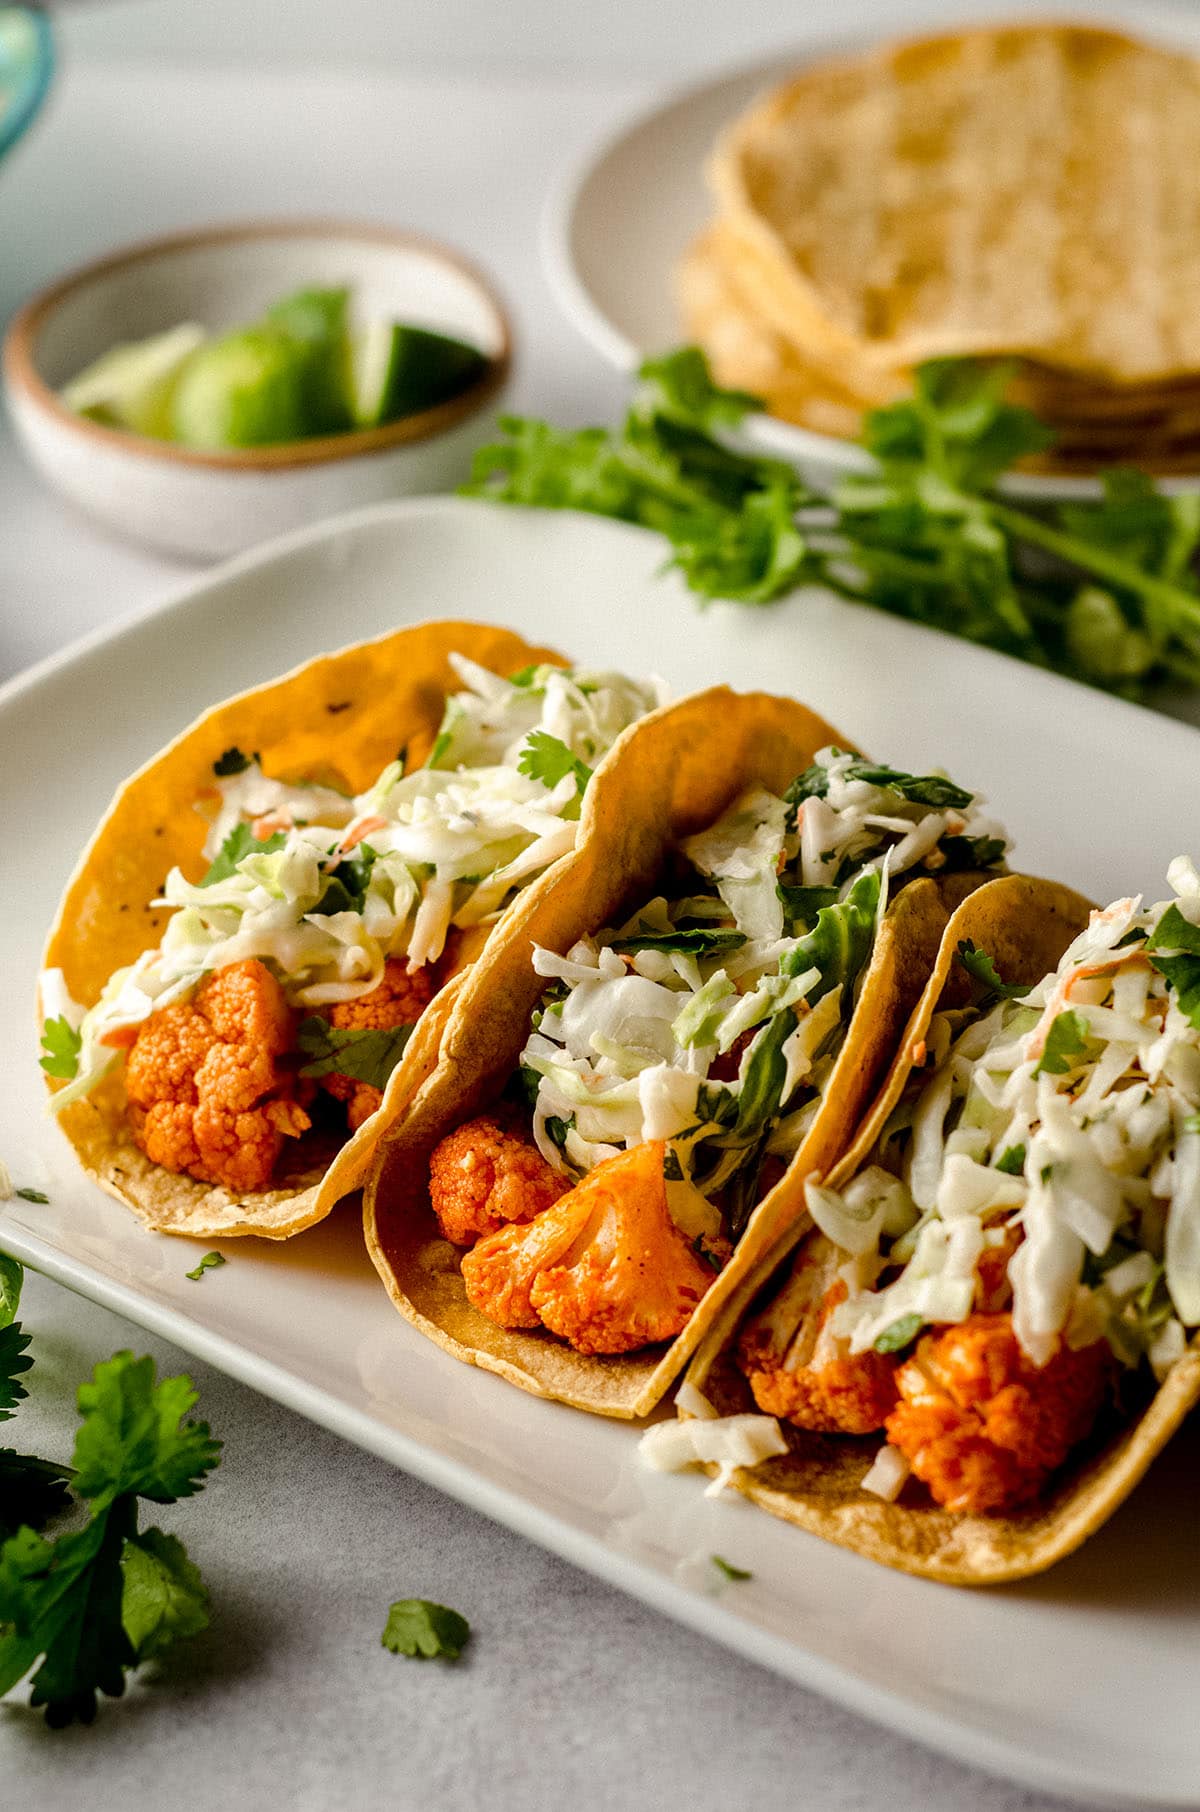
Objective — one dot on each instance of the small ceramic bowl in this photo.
(204, 505)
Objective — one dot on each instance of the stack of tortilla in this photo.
(1029, 192)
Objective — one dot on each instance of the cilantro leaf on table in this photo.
(12, 1279)
(419, 1628)
(980, 967)
(61, 1602)
(61, 1045)
(363, 1053)
(14, 1361)
(1066, 1040)
(163, 1596)
(31, 1491)
(240, 843)
(546, 758)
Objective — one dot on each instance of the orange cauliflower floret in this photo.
(799, 1369)
(605, 1268)
(206, 1092)
(981, 1424)
(483, 1175)
(399, 1000)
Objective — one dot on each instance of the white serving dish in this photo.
(615, 228)
(1083, 1682)
(206, 505)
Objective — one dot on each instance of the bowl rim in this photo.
(32, 93)
(23, 378)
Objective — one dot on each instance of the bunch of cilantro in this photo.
(1103, 592)
(79, 1611)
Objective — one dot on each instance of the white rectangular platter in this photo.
(1085, 1682)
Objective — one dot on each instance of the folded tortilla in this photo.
(1025, 925)
(671, 776)
(339, 719)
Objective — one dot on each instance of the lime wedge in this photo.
(248, 389)
(312, 314)
(316, 319)
(397, 370)
(132, 386)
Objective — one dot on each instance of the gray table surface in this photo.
(570, 1693)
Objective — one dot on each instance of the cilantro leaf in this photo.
(363, 1053)
(60, 1048)
(1182, 972)
(31, 1491)
(802, 904)
(133, 1439)
(1066, 1039)
(417, 1627)
(240, 843)
(14, 1360)
(1174, 932)
(26, 1194)
(62, 1602)
(700, 940)
(1012, 1161)
(900, 1334)
(12, 1278)
(163, 1596)
(728, 1569)
(979, 965)
(544, 757)
(346, 885)
(233, 762)
(934, 790)
(209, 1262)
(971, 852)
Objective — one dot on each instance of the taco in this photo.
(1004, 1277)
(251, 966)
(688, 1022)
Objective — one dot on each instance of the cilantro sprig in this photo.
(980, 967)
(1065, 1041)
(1181, 970)
(78, 1612)
(1104, 592)
(61, 1045)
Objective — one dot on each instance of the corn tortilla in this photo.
(341, 719)
(1025, 925)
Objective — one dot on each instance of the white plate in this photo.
(614, 231)
(1086, 1682)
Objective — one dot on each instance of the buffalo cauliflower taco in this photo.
(253, 961)
(680, 1028)
(989, 1334)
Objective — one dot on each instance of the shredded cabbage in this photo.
(324, 887)
(1087, 1172)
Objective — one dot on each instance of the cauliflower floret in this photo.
(484, 1175)
(605, 1268)
(206, 1092)
(399, 1000)
(799, 1369)
(981, 1424)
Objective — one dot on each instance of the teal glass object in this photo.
(26, 66)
